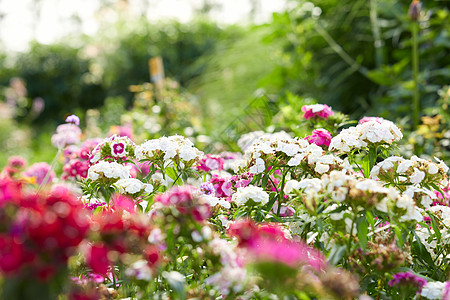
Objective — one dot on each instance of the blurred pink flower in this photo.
(39, 171)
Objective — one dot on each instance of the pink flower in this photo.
(319, 137)
(317, 110)
(66, 134)
(210, 162)
(17, 162)
(97, 259)
(73, 119)
(39, 171)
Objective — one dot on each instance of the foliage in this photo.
(356, 55)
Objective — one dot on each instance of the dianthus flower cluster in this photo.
(115, 148)
(38, 232)
(110, 171)
(365, 134)
(133, 186)
(224, 187)
(40, 173)
(414, 171)
(186, 201)
(210, 163)
(409, 280)
(250, 195)
(76, 163)
(270, 151)
(269, 242)
(123, 233)
(367, 193)
(317, 111)
(173, 148)
(66, 134)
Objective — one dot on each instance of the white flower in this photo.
(111, 170)
(433, 290)
(296, 160)
(258, 167)
(321, 168)
(432, 169)
(417, 176)
(442, 165)
(254, 193)
(139, 270)
(404, 166)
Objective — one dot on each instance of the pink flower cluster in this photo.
(409, 280)
(66, 134)
(39, 171)
(76, 164)
(185, 201)
(317, 111)
(319, 137)
(226, 186)
(39, 232)
(14, 166)
(210, 162)
(268, 243)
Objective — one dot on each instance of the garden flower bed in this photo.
(338, 214)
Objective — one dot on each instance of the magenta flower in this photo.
(317, 110)
(319, 137)
(73, 119)
(409, 280)
(118, 149)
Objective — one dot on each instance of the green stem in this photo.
(52, 166)
(378, 42)
(415, 63)
(281, 194)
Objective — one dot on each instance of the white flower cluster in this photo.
(248, 139)
(362, 135)
(318, 160)
(109, 170)
(433, 290)
(410, 171)
(213, 201)
(113, 146)
(340, 187)
(291, 150)
(133, 186)
(443, 213)
(171, 147)
(250, 195)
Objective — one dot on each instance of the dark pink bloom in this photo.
(97, 259)
(118, 149)
(317, 111)
(409, 280)
(17, 162)
(319, 137)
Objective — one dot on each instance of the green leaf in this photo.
(264, 181)
(435, 226)
(336, 253)
(362, 233)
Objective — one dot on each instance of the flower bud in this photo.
(414, 10)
